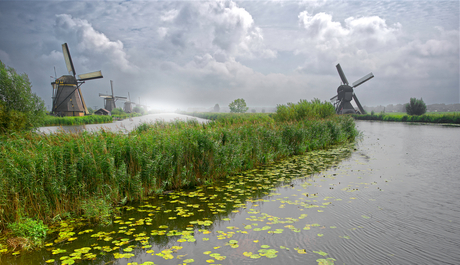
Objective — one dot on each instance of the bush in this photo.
(416, 107)
(304, 110)
(30, 229)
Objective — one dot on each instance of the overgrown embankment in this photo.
(67, 121)
(44, 176)
(453, 118)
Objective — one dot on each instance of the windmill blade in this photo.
(68, 59)
(83, 102)
(129, 97)
(334, 97)
(342, 75)
(118, 97)
(89, 76)
(363, 79)
(104, 95)
(359, 104)
(111, 86)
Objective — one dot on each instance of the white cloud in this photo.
(216, 27)
(93, 44)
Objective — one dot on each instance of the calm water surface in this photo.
(394, 200)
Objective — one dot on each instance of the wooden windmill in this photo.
(67, 97)
(109, 100)
(128, 107)
(345, 94)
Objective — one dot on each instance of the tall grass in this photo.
(453, 118)
(43, 176)
(91, 119)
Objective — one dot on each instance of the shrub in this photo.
(416, 107)
(30, 229)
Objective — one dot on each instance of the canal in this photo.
(393, 198)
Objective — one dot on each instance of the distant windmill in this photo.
(128, 107)
(109, 100)
(67, 97)
(345, 94)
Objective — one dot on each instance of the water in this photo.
(124, 126)
(394, 200)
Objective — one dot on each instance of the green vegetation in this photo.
(32, 230)
(20, 109)
(415, 107)
(120, 114)
(83, 174)
(304, 110)
(432, 117)
(65, 121)
(238, 106)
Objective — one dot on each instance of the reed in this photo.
(63, 121)
(45, 176)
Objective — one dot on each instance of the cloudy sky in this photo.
(180, 54)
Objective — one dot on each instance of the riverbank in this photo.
(432, 117)
(44, 177)
(83, 120)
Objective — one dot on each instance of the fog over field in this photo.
(184, 54)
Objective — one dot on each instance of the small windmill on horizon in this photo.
(109, 100)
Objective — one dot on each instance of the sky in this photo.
(195, 54)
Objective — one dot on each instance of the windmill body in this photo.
(67, 97)
(128, 106)
(345, 94)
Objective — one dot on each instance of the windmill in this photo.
(109, 100)
(128, 107)
(345, 94)
(67, 97)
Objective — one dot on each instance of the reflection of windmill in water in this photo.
(345, 94)
(67, 97)
(109, 100)
(128, 107)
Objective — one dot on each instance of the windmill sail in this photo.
(68, 59)
(363, 79)
(89, 76)
(361, 109)
(342, 75)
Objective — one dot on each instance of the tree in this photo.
(20, 109)
(139, 109)
(416, 107)
(238, 106)
(118, 111)
(216, 108)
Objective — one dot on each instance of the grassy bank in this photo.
(432, 117)
(46, 177)
(67, 121)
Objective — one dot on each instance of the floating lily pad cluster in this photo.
(164, 226)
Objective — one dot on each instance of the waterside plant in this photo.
(67, 121)
(46, 176)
